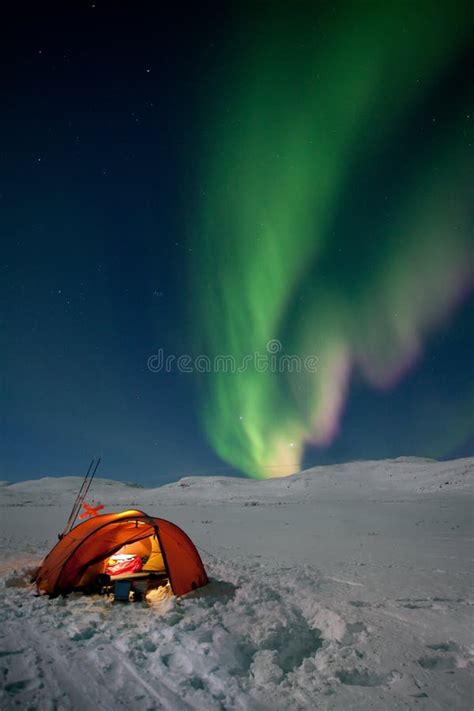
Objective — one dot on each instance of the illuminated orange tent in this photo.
(84, 552)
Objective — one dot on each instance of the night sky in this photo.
(207, 179)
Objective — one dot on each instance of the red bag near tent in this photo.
(124, 564)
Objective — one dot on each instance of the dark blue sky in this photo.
(99, 102)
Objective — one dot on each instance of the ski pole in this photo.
(74, 506)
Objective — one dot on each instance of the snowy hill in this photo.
(343, 587)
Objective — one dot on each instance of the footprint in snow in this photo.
(437, 663)
(15, 687)
(364, 677)
(449, 657)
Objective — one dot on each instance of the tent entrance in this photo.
(140, 556)
(141, 563)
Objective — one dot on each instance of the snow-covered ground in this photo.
(345, 587)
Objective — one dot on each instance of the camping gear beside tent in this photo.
(82, 555)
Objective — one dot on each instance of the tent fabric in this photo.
(92, 542)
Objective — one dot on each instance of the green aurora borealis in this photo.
(333, 213)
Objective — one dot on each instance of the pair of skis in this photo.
(85, 486)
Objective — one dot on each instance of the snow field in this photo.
(335, 595)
